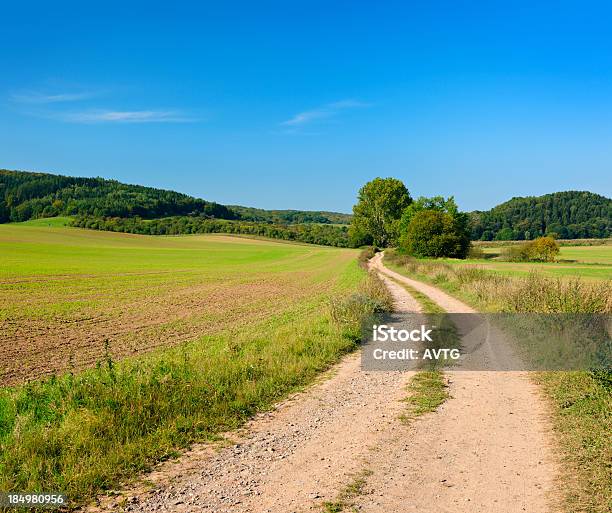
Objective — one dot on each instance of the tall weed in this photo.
(530, 294)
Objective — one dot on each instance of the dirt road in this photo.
(486, 449)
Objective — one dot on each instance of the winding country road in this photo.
(487, 448)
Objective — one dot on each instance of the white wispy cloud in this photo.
(42, 98)
(127, 116)
(51, 102)
(326, 111)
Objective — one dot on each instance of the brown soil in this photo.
(136, 320)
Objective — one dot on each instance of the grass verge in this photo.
(583, 423)
(427, 390)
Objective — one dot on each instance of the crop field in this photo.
(588, 262)
(68, 296)
(218, 328)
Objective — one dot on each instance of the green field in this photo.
(140, 345)
(65, 291)
(48, 222)
(589, 262)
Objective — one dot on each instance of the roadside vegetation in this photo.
(496, 292)
(83, 433)
(582, 400)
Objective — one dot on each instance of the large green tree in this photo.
(379, 208)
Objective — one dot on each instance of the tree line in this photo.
(290, 216)
(323, 234)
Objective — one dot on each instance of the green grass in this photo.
(83, 432)
(48, 222)
(427, 390)
(587, 254)
(589, 262)
(583, 422)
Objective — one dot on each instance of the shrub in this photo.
(516, 253)
(543, 249)
(365, 254)
(349, 312)
(432, 233)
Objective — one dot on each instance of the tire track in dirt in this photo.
(487, 449)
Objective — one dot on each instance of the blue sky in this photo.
(295, 104)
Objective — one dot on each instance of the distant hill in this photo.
(290, 216)
(568, 215)
(26, 195)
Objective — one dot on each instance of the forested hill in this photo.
(569, 215)
(25, 195)
(290, 216)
